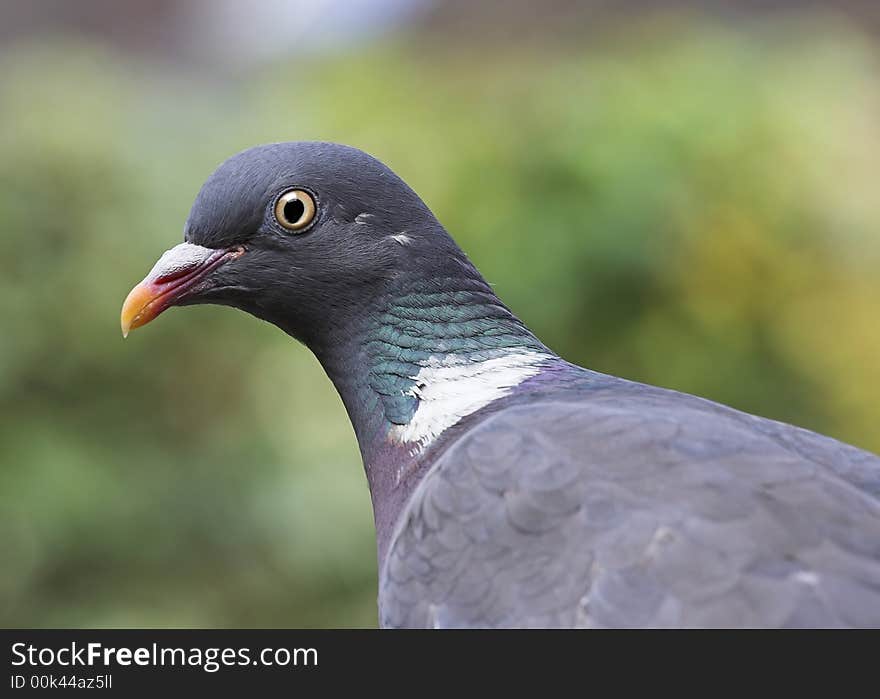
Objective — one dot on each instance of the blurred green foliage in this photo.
(683, 205)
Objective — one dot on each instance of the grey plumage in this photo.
(615, 504)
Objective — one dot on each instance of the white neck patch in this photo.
(448, 389)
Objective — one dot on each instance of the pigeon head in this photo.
(329, 245)
(304, 235)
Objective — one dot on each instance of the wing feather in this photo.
(638, 511)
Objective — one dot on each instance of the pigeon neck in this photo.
(428, 354)
(428, 341)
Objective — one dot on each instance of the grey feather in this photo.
(633, 506)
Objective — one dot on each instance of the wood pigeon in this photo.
(511, 488)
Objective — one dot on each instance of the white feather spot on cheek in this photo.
(452, 388)
(401, 238)
(807, 577)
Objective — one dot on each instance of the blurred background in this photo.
(682, 193)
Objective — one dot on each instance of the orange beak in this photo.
(179, 274)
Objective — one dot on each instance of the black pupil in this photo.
(293, 210)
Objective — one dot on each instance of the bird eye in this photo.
(295, 210)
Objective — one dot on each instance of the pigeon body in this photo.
(511, 488)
